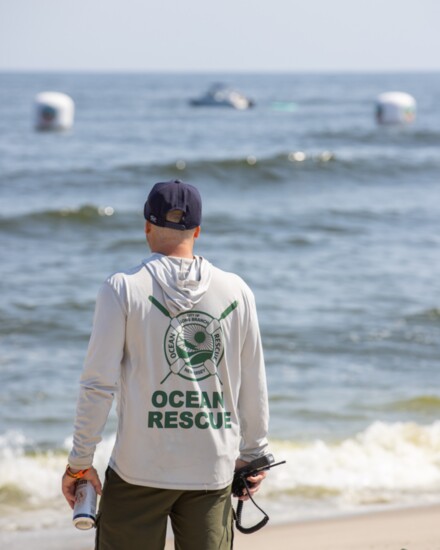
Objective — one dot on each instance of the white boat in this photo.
(220, 95)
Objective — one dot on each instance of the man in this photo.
(178, 341)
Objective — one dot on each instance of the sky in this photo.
(214, 35)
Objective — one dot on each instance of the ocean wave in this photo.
(419, 404)
(87, 215)
(243, 171)
(279, 166)
(209, 166)
(30, 481)
(391, 463)
(97, 216)
(381, 158)
(431, 315)
(385, 463)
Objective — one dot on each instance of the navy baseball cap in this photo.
(174, 195)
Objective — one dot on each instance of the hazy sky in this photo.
(226, 35)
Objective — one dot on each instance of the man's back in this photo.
(183, 385)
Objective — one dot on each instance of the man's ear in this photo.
(147, 227)
(197, 232)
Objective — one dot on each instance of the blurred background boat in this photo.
(221, 95)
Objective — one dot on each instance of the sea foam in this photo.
(386, 464)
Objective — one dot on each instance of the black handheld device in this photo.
(241, 486)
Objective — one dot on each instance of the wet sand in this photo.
(408, 529)
(404, 529)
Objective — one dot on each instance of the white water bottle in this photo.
(84, 511)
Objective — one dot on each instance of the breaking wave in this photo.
(386, 464)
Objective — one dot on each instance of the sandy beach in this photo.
(409, 529)
(404, 529)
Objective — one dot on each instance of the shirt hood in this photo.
(184, 281)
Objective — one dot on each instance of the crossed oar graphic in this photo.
(184, 357)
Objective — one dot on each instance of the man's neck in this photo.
(175, 251)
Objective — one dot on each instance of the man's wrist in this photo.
(75, 473)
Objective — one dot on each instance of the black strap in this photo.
(237, 514)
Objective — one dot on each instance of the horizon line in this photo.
(216, 71)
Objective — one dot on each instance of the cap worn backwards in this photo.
(174, 195)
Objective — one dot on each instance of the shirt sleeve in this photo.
(100, 376)
(253, 400)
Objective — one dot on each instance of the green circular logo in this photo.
(194, 345)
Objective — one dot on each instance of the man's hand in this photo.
(68, 484)
(254, 481)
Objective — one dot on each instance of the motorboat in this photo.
(219, 95)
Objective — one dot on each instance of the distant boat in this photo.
(220, 95)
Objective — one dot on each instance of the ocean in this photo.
(331, 219)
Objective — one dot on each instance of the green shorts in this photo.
(133, 517)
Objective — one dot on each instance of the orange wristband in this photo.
(76, 475)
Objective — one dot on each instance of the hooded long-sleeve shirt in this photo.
(178, 342)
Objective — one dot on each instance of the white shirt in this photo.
(178, 342)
